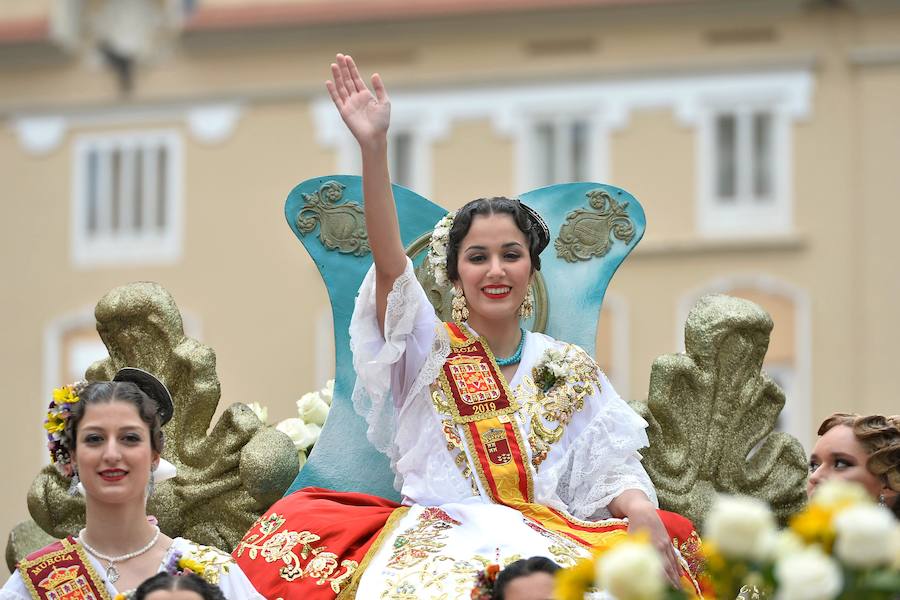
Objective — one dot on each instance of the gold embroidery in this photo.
(321, 565)
(451, 434)
(691, 551)
(565, 552)
(424, 538)
(213, 561)
(557, 404)
(438, 578)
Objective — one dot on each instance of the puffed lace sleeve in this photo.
(394, 366)
(597, 458)
(14, 589)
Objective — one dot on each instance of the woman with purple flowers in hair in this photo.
(106, 436)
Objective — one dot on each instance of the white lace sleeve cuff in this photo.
(603, 460)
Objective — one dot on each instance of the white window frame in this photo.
(127, 247)
(529, 172)
(350, 161)
(745, 213)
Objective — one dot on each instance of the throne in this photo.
(711, 410)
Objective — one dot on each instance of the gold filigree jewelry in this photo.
(459, 310)
(526, 309)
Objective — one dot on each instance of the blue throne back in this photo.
(593, 227)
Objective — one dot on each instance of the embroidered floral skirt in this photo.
(321, 544)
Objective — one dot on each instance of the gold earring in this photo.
(526, 309)
(459, 311)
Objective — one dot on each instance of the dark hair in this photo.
(880, 438)
(522, 568)
(188, 582)
(105, 392)
(492, 206)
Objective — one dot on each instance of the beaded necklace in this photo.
(517, 355)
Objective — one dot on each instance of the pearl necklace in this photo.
(517, 355)
(112, 573)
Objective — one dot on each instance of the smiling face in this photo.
(113, 453)
(494, 268)
(839, 455)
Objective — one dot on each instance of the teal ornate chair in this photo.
(594, 227)
(698, 447)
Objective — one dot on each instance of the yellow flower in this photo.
(574, 582)
(64, 395)
(54, 423)
(189, 564)
(814, 525)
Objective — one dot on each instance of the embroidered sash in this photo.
(480, 400)
(62, 571)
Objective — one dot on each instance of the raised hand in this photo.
(366, 115)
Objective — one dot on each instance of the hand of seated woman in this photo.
(642, 516)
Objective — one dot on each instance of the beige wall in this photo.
(252, 288)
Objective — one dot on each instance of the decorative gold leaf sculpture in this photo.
(587, 233)
(227, 477)
(712, 414)
(342, 227)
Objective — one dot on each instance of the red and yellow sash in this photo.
(480, 400)
(62, 571)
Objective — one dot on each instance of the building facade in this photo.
(762, 138)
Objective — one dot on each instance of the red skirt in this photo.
(313, 543)
(310, 544)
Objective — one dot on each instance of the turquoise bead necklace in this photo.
(517, 355)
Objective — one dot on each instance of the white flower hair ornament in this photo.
(437, 248)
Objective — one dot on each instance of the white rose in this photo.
(559, 370)
(740, 527)
(312, 408)
(836, 492)
(302, 434)
(864, 535)
(808, 575)
(782, 544)
(631, 571)
(327, 392)
(261, 412)
(895, 547)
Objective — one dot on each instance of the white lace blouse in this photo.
(594, 461)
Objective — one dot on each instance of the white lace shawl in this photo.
(595, 461)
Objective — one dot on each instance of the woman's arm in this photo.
(642, 516)
(368, 116)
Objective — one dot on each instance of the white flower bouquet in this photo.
(841, 546)
(304, 429)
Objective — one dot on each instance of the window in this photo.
(743, 156)
(127, 198)
(560, 151)
(402, 161)
(745, 172)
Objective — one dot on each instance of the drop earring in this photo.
(151, 483)
(459, 311)
(73, 484)
(526, 309)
